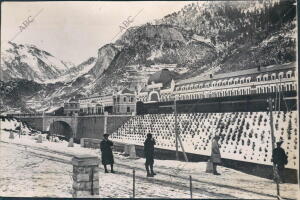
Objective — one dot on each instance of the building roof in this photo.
(125, 91)
(53, 109)
(237, 73)
(164, 76)
(92, 97)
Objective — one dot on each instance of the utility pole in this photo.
(177, 135)
(184, 154)
(273, 145)
(279, 92)
(20, 131)
(176, 131)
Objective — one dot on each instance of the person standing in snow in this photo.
(106, 153)
(215, 154)
(279, 158)
(149, 154)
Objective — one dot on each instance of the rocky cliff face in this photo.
(150, 46)
(165, 44)
(105, 56)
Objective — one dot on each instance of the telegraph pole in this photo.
(279, 92)
(20, 131)
(273, 145)
(176, 131)
(177, 135)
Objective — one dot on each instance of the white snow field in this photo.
(31, 169)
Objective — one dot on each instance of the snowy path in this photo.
(37, 171)
(28, 174)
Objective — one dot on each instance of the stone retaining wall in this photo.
(90, 143)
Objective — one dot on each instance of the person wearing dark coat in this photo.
(279, 158)
(106, 153)
(149, 154)
(215, 154)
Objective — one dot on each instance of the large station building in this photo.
(121, 102)
(163, 86)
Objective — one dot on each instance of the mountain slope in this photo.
(105, 55)
(201, 38)
(153, 45)
(30, 63)
(243, 33)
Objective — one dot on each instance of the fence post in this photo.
(133, 186)
(191, 187)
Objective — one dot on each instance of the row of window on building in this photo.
(118, 99)
(232, 92)
(235, 81)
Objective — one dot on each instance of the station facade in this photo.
(121, 102)
(259, 80)
(165, 86)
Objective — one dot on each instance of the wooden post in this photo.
(279, 92)
(191, 187)
(176, 131)
(20, 130)
(133, 184)
(273, 145)
(184, 154)
(177, 135)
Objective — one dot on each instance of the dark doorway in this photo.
(154, 97)
(61, 129)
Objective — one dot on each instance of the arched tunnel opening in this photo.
(61, 129)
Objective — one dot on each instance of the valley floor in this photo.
(31, 169)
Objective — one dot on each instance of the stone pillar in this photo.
(126, 149)
(71, 142)
(209, 167)
(132, 152)
(74, 124)
(82, 142)
(11, 135)
(39, 139)
(105, 123)
(85, 176)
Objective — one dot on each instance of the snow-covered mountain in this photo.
(77, 71)
(19, 61)
(200, 38)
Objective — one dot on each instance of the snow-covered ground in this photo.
(43, 169)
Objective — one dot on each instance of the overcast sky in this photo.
(74, 31)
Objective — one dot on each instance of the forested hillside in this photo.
(245, 34)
